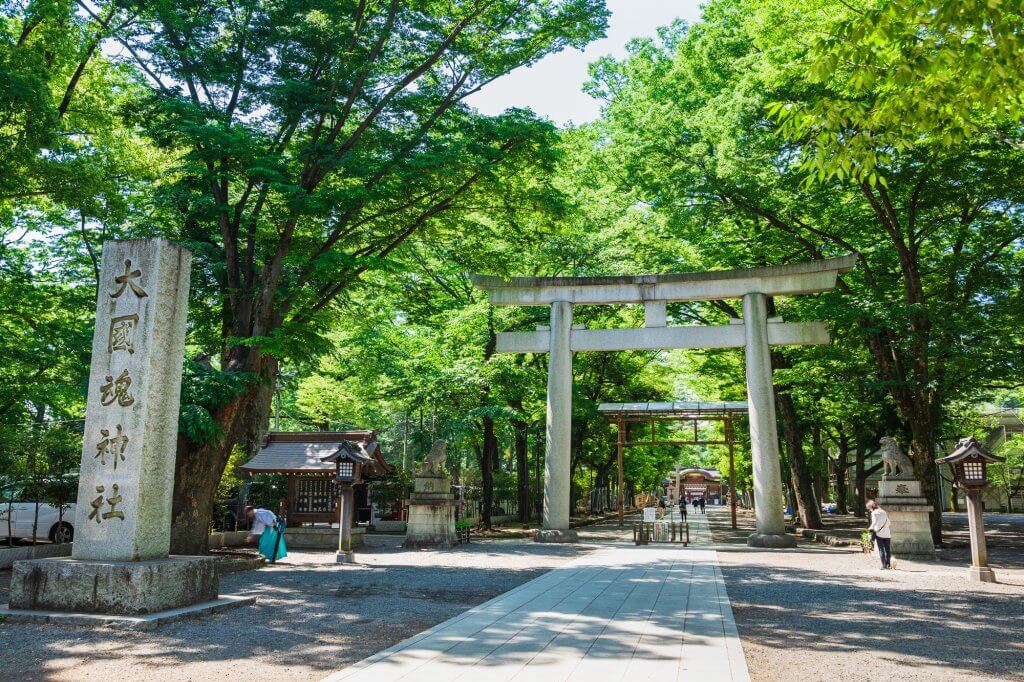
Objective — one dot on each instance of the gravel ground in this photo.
(312, 617)
(823, 613)
(813, 613)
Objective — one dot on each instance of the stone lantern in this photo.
(970, 472)
(349, 463)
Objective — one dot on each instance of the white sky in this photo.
(553, 86)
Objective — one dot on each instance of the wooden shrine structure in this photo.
(312, 491)
(635, 425)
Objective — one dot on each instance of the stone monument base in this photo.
(431, 513)
(556, 535)
(981, 574)
(908, 516)
(119, 588)
(771, 540)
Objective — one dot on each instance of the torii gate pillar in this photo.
(557, 462)
(764, 436)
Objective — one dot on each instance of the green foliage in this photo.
(204, 390)
(896, 72)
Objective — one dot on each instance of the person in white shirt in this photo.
(266, 531)
(881, 531)
(259, 521)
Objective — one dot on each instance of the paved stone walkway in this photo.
(622, 613)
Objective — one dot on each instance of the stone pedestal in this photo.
(126, 588)
(431, 513)
(556, 535)
(908, 517)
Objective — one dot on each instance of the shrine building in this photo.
(310, 502)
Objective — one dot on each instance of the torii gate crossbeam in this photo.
(755, 333)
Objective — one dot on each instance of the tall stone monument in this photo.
(431, 507)
(899, 494)
(119, 563)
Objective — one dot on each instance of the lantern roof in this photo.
(347, 453)
(969, 449)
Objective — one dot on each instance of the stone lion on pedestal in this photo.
(433, 463)
(895, 463)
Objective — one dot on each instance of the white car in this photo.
(52, 525)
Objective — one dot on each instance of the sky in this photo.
(553, 87)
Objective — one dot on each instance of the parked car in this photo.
(55, 524)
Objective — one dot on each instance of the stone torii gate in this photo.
(756, 333)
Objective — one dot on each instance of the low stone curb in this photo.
(146, 622)
(826, 538)
(235, 563)
(9, 555)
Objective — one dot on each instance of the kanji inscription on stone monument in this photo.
(114, 446)
(122, 333)
(132, 411)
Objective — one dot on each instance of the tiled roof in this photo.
(300, 452)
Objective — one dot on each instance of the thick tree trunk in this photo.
(198, 468)
(922, 454)
(522, 442)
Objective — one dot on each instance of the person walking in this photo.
(682, 509)
(881, 533)
(703, 504)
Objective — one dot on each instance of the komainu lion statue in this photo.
(435, 459)
(895, 463)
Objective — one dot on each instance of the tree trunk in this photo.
(801, 477)
(922, 454)
(820, 468)
(522, 442)
(860, 478)
(199, 467)
(488, 457)
(842, 467)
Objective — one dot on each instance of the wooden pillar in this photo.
(732, 469)
(621, 444)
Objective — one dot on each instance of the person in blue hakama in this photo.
(266, 530)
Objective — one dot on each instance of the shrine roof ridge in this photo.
(839, 264)
(696, 407)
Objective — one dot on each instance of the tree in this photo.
(312, 142)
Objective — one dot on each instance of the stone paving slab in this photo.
(624, 613)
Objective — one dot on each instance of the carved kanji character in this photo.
(114, 447)
(118, 390)
(122, 333)
(128, 280)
